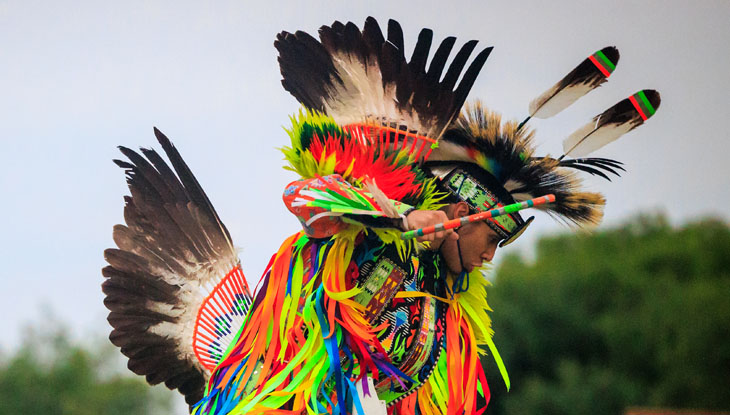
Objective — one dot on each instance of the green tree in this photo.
(50, 375)
(632, 316)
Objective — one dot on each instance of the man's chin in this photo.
(457, 271)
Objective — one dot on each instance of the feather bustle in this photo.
(368, 78)
(172, 246)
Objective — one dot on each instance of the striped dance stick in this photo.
(455, 223)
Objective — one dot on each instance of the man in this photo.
(348, 311)
(478, 239)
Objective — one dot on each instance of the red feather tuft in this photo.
(382, 154)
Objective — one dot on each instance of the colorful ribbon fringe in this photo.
(305, 344)
(287, 356)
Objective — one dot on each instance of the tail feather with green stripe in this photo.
(584, 78)
(612, 123)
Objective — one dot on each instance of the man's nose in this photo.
(488, 255)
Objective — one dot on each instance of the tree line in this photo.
(637, 315)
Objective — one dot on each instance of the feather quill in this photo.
(612, 123)
(587, 76)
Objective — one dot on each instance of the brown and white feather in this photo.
(359, 76)
(170, 254)
(581, 80)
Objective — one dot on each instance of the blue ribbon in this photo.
(334, 353)
(461, 283)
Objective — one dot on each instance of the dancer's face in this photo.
(477, 240)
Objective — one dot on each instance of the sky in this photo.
(79, 78)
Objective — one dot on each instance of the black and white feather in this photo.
(581, 80)
(595, 166)
(607, 126)
(359, 76)
(173, 249)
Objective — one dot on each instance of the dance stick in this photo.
(455, 223)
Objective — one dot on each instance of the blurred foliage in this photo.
(638, 315)
(50, 375)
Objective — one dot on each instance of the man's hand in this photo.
(423, 218)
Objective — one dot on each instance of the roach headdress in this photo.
(509, 167)
(363, 79)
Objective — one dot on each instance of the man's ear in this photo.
(461, 209)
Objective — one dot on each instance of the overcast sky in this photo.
(79, 78)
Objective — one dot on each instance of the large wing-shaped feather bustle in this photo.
(172, 249)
